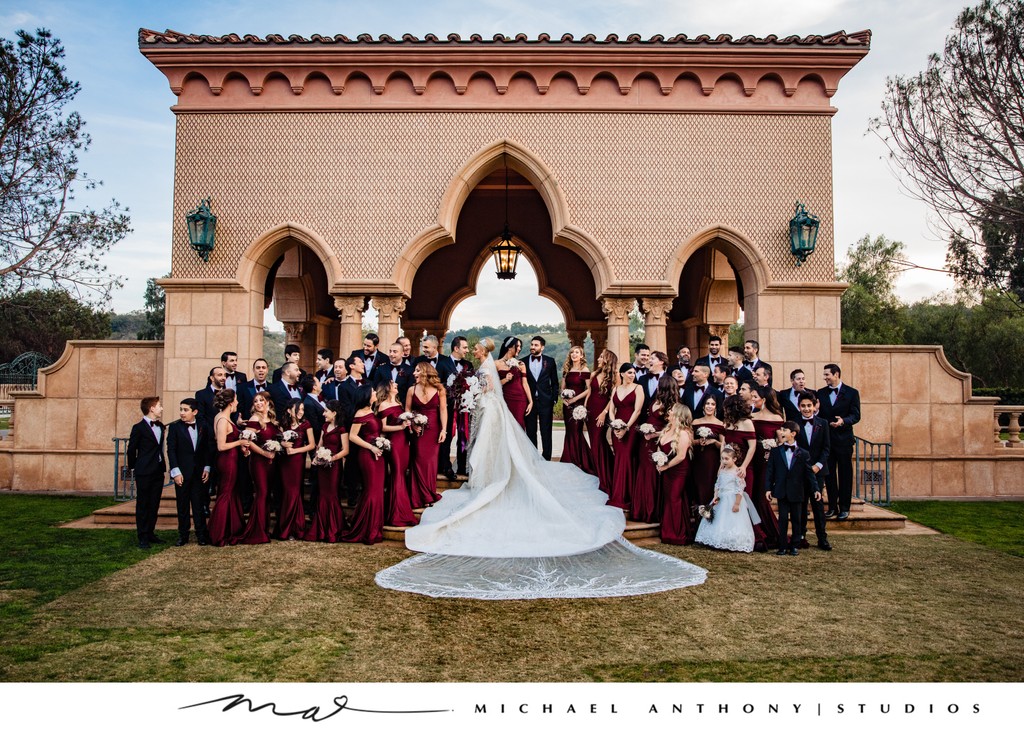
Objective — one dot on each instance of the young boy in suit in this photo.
(189, 456)
(789, 474)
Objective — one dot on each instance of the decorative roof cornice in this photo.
(839, 38)
(233, 73)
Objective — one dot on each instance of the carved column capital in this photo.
(389, 308)
(656, 310)
(293, 332)
(617, 309)
(577, 336)
(350, 307)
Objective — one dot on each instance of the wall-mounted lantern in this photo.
(202, 226)
(803, 233)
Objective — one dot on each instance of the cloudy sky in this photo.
(125, 100)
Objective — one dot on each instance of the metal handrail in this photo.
(124, 477)
(872, 471)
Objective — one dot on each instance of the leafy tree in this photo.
(43, 320)
(45, 240)
(871, 312)
(155, 301)
(126, 326)
(956, 132)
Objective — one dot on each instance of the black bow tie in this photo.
(747, 363)
(191, 425)
(834, 390)
(698, 388)
(790, 448)
(158, 423)
(535, 358)
(808, 421)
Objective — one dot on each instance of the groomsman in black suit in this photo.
(406, 350)
(641, 360)
(233, 379)
(312, 407)
(286, 388)
(146, 460)
(789, 398)
(714, 355)
(839, 406)
(787, 479)
(204, 396)
(338, 375)
(324, 366)
(189, 458)
(683, 363)
(353, 478)
(543, 381)
(737, 366)
(718, 375)
(371, 356)
(292, 355)
(397, 371)
(457, 423)
(813, 437)
(657, 362)
(751, 360)
(444, 365)
(700, 390)
(763, 376)
(253, 387)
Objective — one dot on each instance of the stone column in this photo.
(350, 315)
(389, 310)
(655, 313)
(577, 336)
(293, 333)
(617, 314)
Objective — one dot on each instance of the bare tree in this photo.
(45, 240)
(956, 132)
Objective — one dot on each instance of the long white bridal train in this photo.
(526, 528)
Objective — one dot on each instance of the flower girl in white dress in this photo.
(732, 526)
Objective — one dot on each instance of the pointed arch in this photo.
(260, 255)
(748, 260)
(530, 166)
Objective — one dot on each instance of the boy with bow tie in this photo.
(788, 476)
(146, 460)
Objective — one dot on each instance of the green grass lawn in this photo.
(86, 605)
(995, 524)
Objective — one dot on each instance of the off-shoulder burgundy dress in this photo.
(367, 524)
(645, 504)
(575, 449)
(765, 430)
(291, 518)
(328, 521)
(423, 477)
(227, 521)
(676, 527)
(262, 472)
(704, 464)
(398, 512)
(600, 451)
(622, 473)
(515, 394)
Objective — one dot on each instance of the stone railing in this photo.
(1006, 419)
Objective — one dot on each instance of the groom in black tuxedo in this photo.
(458, 422)
(146, 459)
(542, 376)
(189, 457)
(788, 476)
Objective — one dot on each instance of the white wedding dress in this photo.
(523, 527)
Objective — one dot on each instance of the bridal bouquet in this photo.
(705, 433)
(579, 413)
(646, 429)
(706, 511)
(381, 442)
(470, 393)
(289, 436)
(568, 393)
(618, 424)
(322, 457)
(659, 458)
(248, 434)
(273, 446)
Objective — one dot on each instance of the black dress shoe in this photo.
(843, 515)
(203, 541)
(780, 551)
(144, 546)
(450, 475)
(824, 545)
(156, 540)
(794, 552)
(831, 514)
(182, 541)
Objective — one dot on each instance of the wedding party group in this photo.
(702, 449)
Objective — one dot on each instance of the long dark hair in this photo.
(361, 397)
(667, 393)
(510, 342)
(287, 421)
(606, 372)
(735, 410)
(771, 401)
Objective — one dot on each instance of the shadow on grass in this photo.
(995, 524)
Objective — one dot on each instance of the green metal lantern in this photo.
(506, 256)
(202, 226)
(803, 233)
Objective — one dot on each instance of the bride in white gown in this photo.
(523, 527)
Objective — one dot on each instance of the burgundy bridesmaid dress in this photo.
(676, 528)
(261, 470)
(765, 430)
(740, 438)
(227, 519)
(600, 451)
(622, 473)
(645, 502)
(291, 518)
(328, 521)
(423, 477)
(704, 464)
(398, 512)
(368, 520)
(575, 449)
(515, 394)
